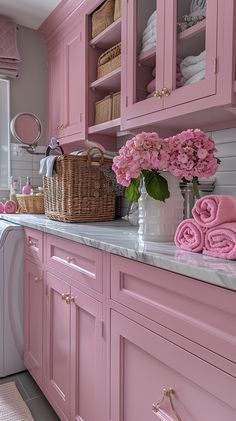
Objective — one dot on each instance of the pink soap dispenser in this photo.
(27, 188)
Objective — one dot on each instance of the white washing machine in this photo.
(11, 298)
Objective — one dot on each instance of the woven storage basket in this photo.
(115, 105)
(102, 17)
(109, 60)
(79, 191)
(30, 203)
(117, 9)
(103, 110)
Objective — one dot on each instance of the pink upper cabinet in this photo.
(66, 87)
(176, 61)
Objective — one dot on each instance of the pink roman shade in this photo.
(9, 54)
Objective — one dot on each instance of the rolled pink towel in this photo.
(10, 206)
(220, 241)
(2, 207)
(213, 210)
(190, 236)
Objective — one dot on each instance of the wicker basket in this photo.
(103, 110)
(117, 9)
(79, 191)
(102, 17)
(30, 203)
(109, 60)
(115, 105)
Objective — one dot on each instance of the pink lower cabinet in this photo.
(58, 344)
(87, 358)
(33, 320)
(143, 364)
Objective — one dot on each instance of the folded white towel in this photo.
(189, 60)
(148, 46)
(149, 28)
(151, 41)
(196, 78)
(46, 165)
(189, 71)
(150, 35)
(152, 17)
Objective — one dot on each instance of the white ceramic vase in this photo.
(158, 220)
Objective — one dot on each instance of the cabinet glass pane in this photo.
(191, 42)
(145, 60)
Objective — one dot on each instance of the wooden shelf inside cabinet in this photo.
(192, 39)
(110, 36)
(110, 127)
(110, 82)
(148, 58)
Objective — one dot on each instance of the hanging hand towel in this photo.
(190, 236)
(46, 165)
(213, 210)
(220, 241)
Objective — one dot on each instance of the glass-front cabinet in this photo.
(171, 56)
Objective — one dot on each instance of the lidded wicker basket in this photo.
(103, 17)
(79, 191)
(109, 60)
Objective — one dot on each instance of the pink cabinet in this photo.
(33, 320)
(66, 88)
(58, 343)
(144, 363)
(171, 72)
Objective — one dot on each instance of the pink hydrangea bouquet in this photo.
(187, 155)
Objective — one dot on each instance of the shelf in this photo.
(110, 127)
(110, 82)
(192, 41)
(193, 31)
(148, 58)
(109, 37)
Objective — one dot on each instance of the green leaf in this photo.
(156, 186)
(195, 188)
(132, 192)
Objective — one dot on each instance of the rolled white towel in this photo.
(150, 41)
(189, 60)
(189, 71)
(196, 78)
(150, 34)
(152, 17)
(148, 46)
(149, 28)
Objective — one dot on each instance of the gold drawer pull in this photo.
(65, 295)
(158, 94)
(38, 279)
(70, 259)
(156, 407)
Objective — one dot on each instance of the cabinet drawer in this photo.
(201, 312)
(81, 263)
(34, 244)
(143, 363)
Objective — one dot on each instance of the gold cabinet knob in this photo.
(32, 243)
(60, 127)
(70, 299)
(65, 295)
(158, 94)
(166, 91)
(70, 259)
(38, 279)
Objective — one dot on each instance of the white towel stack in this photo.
(149, 33)
(193, 69)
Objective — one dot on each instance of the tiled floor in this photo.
(32, 395)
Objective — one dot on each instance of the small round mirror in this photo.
(26, 128)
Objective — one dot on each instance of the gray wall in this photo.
(29, 90)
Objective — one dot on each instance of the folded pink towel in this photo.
(220, 241)
(190, 236)
(213, 210)
(151, 86)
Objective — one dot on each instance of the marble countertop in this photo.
(120, 238)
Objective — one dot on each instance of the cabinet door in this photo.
(143, 364)
(55, 69)
(87, 358)
(58, 343)
(190, 51)
(74, 101)
(141, 28)
(33, 320)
